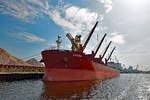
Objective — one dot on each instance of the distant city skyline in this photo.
(29, 26)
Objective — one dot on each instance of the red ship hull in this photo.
(73, 66)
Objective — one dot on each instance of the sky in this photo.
(29, 26)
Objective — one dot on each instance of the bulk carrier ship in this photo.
(75, 65)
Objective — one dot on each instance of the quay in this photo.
(11, 76)
(16, 72)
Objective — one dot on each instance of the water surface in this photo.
(123, 87)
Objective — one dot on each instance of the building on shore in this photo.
(115, 65)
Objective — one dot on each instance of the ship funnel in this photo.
(106, 50)
(90, 34)
(99, 45)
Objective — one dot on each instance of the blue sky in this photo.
(29, 26)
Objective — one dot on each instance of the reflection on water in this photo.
(124, 87)
(69, 90)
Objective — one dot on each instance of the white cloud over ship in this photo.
(28, 37)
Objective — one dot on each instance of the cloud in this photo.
(59, 20)
(27, 10)
(117, 38)
(71, 18)
(52, 44)
(29, 37)
(78, 20)
(76, 14)
(74, 19)
(37, 2)
(137, 54)
(107, 5)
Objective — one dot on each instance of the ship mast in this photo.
(105, 50)
(58, 42)
(90, 34)
(99, 45)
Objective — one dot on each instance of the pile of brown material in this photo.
(34, 62)
(7, 59)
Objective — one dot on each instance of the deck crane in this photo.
(75, 41)
(76, 46)
(101, 57)
(90, 34)
(106, 60)
(99, 45)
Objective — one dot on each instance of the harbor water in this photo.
(123, 87)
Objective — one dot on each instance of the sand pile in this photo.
(34, 62)
(7, 59)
